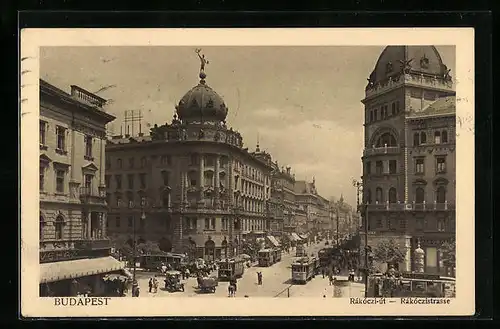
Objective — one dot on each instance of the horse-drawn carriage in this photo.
(207, 284)
(173, 281)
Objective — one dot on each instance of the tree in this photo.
(448, 250)
(389, 252)
(149, 247)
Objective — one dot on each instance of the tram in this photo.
(300, 250)
(411, 285)
(231, 267)
(304, 269)
(277, 254)
(153, 262)
(266, 257)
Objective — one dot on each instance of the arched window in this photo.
(379, 195)
(441, 194)
(423, 138)
(437, 137)
(386, 139)
(444, 136)
(416, 139)
(42, 224)
(368, 196)
(393, 195)
(166, 198)
(59, 225)
(419, 195)
(210, 250)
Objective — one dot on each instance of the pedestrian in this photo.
(137, 291)
(150, 284)
(258, 278)
(323, 272)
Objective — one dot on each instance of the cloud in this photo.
(326, 150)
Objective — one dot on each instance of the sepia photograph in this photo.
(213, 172)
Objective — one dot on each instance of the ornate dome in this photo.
(417, 59)
(203, 104)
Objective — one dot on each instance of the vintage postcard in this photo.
(247, 172)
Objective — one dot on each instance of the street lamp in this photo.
(363, 206)
(134, 255)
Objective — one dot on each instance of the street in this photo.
(276, 282)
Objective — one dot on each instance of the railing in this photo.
(89, 192)
(419, 80)
(87, 97)
(410, 206)
(382, 150)
(93, 244)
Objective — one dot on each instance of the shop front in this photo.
(81, 277)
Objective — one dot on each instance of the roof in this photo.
(56, 271)
(441, 107)
(202, 103)
(49, 89)
(421, 59)
(303, 187)
(273, 240)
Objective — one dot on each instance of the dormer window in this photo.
(388, 67)
(424, 62)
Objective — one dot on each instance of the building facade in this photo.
(200, 190)
(409, 154)
(73, 208)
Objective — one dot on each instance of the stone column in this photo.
(419, 259)
(89, 225)
(201, 172)
(73, 183)
(217, 182)
(104, 220)
(102, 186)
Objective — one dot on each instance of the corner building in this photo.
(75, 252)
(202, 191)
(409, 154)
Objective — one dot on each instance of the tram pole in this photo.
(366, 249)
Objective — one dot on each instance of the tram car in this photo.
(411, 285)
(266, 257)
(300, 250)
(277, 254)
(231, 267)
(304, 269)
(325, 256)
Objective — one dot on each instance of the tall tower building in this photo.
(409, 153)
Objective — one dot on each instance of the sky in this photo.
(302, 103)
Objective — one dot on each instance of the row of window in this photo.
(61, 140)
(419, 166)
(248, 187)
(60, 179)
(392, 195)
(440, 165)
(248, 171)
(385, 112)
(166, 160)
(420, 224)
(130, 181)
(129, 198)
(420, 138)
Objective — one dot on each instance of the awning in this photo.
(56, 271)
(304, 236)
(273, 240)
(295, 236)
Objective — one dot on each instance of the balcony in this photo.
(381, 150)
(410, 206)
(53, 250)
(89, 196)
(93, 244)
(408, 79)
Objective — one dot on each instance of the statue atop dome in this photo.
(203, 62)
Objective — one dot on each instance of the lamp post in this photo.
(134, 282)
(363, 206)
